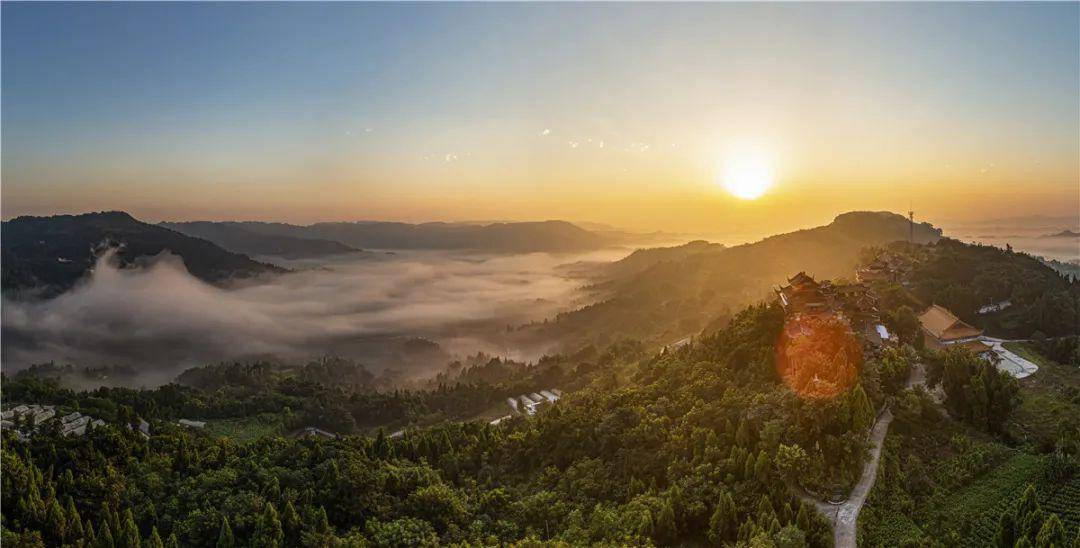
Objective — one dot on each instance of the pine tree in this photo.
(1052, 534)
(172, 541)
(89, 537)
(749, 466)
(802, 518)
(742, 435)
(35, 507)
(129, 537)
(225, 535)
(765, 511)
(111, 519)
(762, 466)
(1005, 536)
(56, 523)
(105, 536)
(154, 541)
(268, 531)
(290, 522)
(74, 520)
(320, 524)
(862, 412)
(723, 520)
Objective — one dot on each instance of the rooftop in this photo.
(943, 325)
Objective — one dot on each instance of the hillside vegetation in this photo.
(696, 449)
(48, 255)
(235, 237)
(670, 294)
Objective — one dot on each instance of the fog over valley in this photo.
(159, 319)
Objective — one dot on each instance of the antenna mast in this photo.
(911, 226)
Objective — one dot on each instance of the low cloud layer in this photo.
(160, 320)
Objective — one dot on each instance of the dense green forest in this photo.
(676, 448)
(725, 440)
(965, 277)
(46, 256)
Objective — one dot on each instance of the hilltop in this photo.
(680, 290)
(47, 255)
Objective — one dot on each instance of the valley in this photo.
(699, 371)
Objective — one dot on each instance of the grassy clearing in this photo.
(1026, 352)
(1049, 397)
(246, 428)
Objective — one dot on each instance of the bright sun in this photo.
(747, 176)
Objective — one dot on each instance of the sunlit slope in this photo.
(678, 297)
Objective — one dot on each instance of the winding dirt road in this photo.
(846, 522)
(845, 516)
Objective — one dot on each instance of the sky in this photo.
(625, 114)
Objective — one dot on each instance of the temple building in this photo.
(943, 329)
(877, 271)
(802, 295)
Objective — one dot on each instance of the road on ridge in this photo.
(845, 516)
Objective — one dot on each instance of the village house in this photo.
(314, 432)
(71, 424)
(529, 402)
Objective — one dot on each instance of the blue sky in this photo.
(439, 111)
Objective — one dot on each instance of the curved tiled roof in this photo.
(945, 326)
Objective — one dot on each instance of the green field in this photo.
(966, 490)
(246, 428)
(1049, 399)
(974, 510)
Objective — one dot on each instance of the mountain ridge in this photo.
(518, 237)
(233, 236)
(672, 299)
(45, 256)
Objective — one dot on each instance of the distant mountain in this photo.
(1063, 234)
(47, 255)
(495, 237)
(688, 286)
(238, 237)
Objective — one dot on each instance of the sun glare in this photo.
(747, 176)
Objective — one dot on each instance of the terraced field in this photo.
(974, 510)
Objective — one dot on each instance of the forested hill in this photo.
(520, 237)
(47, 255)
(678, 295)
(1026, 298)
(643, 259)
(694, 450)
(241, 239)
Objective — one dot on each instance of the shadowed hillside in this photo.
(48, 255)
(554, 236)
(237, 237)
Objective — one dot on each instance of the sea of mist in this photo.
(159, 320)
(1028, 234)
